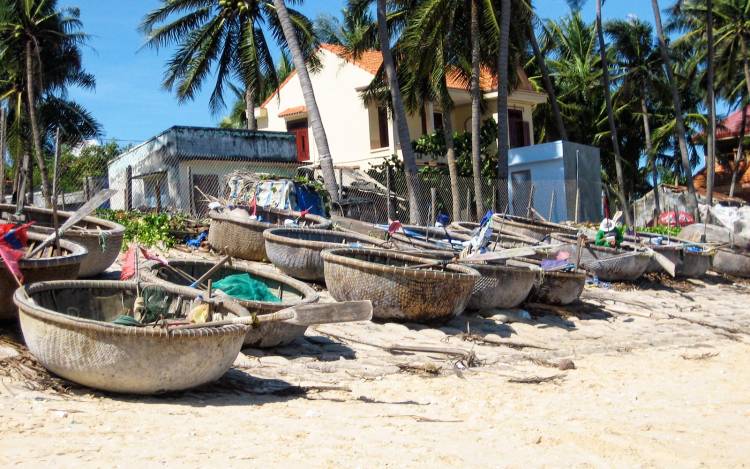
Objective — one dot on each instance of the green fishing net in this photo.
(244, 287)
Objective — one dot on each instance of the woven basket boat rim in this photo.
(277, 235)
(529, 223)
(623, 249)
(75, 256)
(309, 295)
(497, 267)
(22, 298)
(112, 228)
(340, 256)
(214, 215)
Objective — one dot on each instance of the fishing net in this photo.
(244, 287)
(154, 303)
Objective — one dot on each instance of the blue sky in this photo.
(129, 100)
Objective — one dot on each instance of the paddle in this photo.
(302, 315)
(79, 215)
(514, 252)
(211, 271)
(663, 261)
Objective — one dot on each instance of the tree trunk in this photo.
(611, 116)
(692, 200)
(739, 156)
(650, 152)
(450, 155)
(745, 64)
(548, 87)
(38, 153)
(252, 124)
(711, 134)
(399, 117)
(502, 105)
(476, 117)
(3, 139)
(315, 121)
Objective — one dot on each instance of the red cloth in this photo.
(128, 265)
(679, 218)
(394, 227)
(13, 242)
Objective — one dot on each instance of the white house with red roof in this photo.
(360, 135)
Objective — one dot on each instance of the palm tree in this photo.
(502, 101)
(41, 56)
(611, 115)
(547, 80)
(227, 33)
(316, 122)
(632, 42)
(476, 110)
(710, 98)
(679, 128)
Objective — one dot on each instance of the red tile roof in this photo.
(730, 126)
(371, 60)
(293, 110)
(723, 179)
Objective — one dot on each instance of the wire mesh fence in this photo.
(186, 185)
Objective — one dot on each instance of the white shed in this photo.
(554, 172)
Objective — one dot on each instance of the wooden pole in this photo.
(129, 188)
(3, 139)
(157, 191)
(530, 203)
(55, 176)
(578, 201)
(191, 191)
(468, 204)
(433, 205)
(551, 206)
(341, 184)
(388, 205)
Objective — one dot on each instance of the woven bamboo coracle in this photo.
(66, 327)
(500, 286)
(527, 228)
(610, 264)
(101, 238)
(242, 237)
(65, 266)
(296, 251)
(268, 334)
(397, 290)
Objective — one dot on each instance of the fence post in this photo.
(433, 205)
(2, 153)
(129, 188)
(341, 184)
(388, 205)
(157, 191)
(531, 202)
(191, 199)
(578, 202)
(551, 206)
(468, 204)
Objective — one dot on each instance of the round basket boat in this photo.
(556, 287)
(65, 266)
(296, 251)
(396, 288)
(101, 238)
(291, 292)
(414, 237)
(505, 240)
(528, 229)
(242, 237)
(688, 263)
(609, 264)
(731, 261)
(66, 327)
(500, 286)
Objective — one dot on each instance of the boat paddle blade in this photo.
(664, 262)
(325, 313)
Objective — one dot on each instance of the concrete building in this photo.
(554, 172)
(164, 170)
(359, 134)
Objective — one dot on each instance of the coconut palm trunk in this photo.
(650, 152)
(36, 135)
(450, 155)
(502, 104)
(711, 104)
(252, 124)
(692, 200)
(476, 112)
(3, 139)
(740, 151)
(399, 116)
(547, 80)
(611, 116)
(319, 133)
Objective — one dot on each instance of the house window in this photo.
(437, 119)
(518, 129)
(381, 139)
(155, 191)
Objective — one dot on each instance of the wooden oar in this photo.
(663, 261)
(302, 315)
(211, 271)
(79, 215)
(514, 252)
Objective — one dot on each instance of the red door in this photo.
(303, 147)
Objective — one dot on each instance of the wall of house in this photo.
(547, 176)
(344, 115)
(149, 157)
